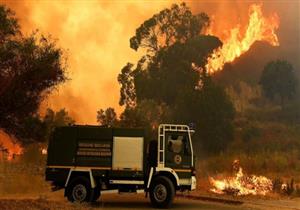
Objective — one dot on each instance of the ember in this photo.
(242, 184)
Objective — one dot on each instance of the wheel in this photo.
(79, 190)
(162, 192)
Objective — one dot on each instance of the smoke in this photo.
(96, 36)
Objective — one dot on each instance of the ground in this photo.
(56, 201)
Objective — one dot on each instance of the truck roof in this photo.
(98, 131)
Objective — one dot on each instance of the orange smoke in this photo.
(7, 144)
(259, 28)
(95, 35)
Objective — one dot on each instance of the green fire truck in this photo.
(87, 160)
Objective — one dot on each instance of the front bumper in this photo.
(189, 184)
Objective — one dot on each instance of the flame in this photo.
(259, 28)
(7, 143)
(242, 185)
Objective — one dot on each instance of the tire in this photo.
(79, 190)
(162, 192)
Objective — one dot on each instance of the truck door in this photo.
(177, 150)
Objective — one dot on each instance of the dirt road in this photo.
(56, 201)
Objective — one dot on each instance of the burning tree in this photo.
(30, 67)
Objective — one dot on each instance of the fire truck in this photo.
(87, 160)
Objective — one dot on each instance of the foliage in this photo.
(167, 27)
(147, 114)
(274, 152)
(127, 91)
(278, 79)
(107, 117)
(38, 129)
(33, 129)
(244, 96)
(172, 71)
(54, 119)
(9, 25)
(30, 67)
(212, 112)
(170, 83)
(250, 132)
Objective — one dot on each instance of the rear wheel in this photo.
(79, 190)
(162, 192)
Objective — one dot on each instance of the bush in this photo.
(250, 133)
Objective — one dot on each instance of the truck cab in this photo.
(87, 160)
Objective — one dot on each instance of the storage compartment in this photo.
(128, 153)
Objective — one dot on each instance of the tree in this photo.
(278, 79)
(212, 111)
(107, 117)
(33, 129)
(170, 83)
(30, 67)
(162, 30)
(58, 118)
(147, 114)
(54, 119)
(167, 27)
(127, 91)
(38, 129)
(9, 26)
(171, 70)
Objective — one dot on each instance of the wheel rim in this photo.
(160, 192)
(79, 192)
